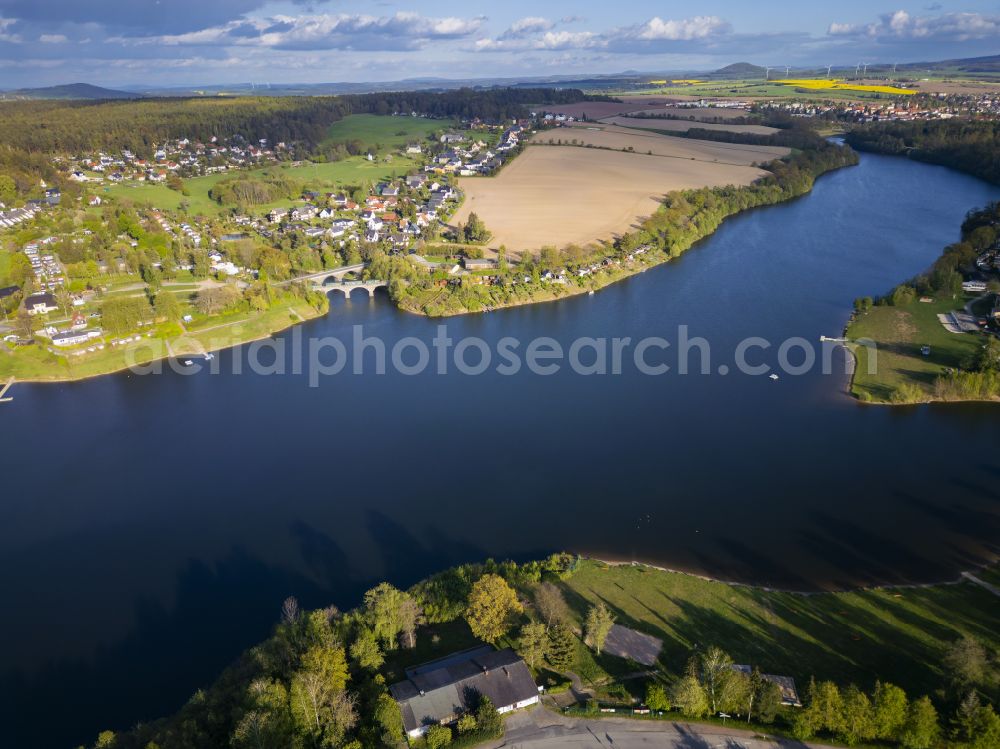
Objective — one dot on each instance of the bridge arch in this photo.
(347, 287)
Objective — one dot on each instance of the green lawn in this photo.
(895, 635)
(899, 333)
(4, 266)
(351, 171)
(385, 131)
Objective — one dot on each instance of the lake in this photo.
(152, 525)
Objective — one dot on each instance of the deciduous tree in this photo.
(389, 718)
(965, 662)
(599, 623)
(656, 696)
(921, 728)
(492, 604)
(550, 604)
(366, 651)
(889, 710)
(689, 697)
(533, 643)
(858, 723)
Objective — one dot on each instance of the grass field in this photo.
(899, 333)
(895, 635)
(333, 175)
(388, 132)
(558, 195)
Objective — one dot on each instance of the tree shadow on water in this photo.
(217, 611)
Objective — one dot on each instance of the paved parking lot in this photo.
(539, 728)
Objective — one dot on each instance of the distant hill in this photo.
(70, 91)
(740, 70)
(989, 64)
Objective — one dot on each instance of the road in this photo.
(539, 728)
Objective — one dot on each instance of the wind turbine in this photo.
(866, 70)
(857, 69)
(767, 75)
(786, 71)
(828, 69)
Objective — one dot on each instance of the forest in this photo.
(971, 146)
(70, 127)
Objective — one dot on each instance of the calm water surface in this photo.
(151, 526)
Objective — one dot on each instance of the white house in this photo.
(40, 304)
(439, 692)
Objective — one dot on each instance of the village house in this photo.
(40, 304)
(439, 692)
(478, 263)
(74, 337)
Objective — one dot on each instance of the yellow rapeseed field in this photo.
(821, 85)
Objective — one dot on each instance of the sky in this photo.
(162, 43)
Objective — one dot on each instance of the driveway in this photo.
(539, 728)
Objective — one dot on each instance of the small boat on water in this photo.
(774, 377)
(188, 362)
(209, 356)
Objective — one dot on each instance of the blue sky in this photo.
(187, 42)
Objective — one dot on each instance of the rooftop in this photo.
(438, 692)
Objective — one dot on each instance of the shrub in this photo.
(438, 736)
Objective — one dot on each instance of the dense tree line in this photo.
(971, 146)
(246, 190)
(791, 134)
(980, 231)
(68, 127)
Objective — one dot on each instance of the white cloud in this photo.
(528, 25)
(654, 35)
(699, 27)
(53, 38)
(567, 40)
(901, 26)
(5, 35)
(403, 30)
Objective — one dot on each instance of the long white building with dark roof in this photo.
(437, 693)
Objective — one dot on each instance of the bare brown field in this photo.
(646, 142)
(683, 126)
(957, 87)
(596, 110)
(561, 195)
